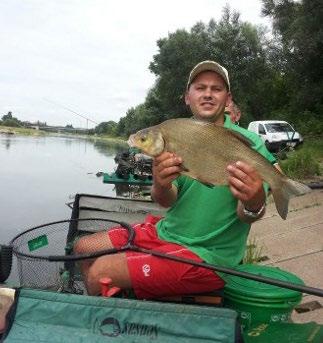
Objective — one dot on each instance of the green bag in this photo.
(43, 316)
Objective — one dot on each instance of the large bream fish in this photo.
(207, 149)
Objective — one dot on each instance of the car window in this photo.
(279, 127)
(261, 129)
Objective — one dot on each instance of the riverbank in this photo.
(115, 140)
(5, 130)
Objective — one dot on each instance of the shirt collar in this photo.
(227, 122)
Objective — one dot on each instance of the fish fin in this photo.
(288, 189)
(241, 138)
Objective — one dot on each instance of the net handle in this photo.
(5, 262)
(64, 258)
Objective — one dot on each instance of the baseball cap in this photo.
(209, 66)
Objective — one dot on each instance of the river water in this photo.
(39, 175)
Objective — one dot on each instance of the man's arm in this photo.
(166, 168)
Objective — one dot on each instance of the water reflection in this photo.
(108, 148)
(39, 175)
(7, 143)
(69, 142)
(132, 191)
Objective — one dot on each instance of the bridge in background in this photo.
(57, 129)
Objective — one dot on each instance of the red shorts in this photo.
(154, 277)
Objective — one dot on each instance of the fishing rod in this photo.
(68, 109)
(246, 275)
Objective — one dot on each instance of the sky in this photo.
(64, 58)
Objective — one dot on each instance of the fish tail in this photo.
(287, 189)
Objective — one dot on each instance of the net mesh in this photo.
(54, 239)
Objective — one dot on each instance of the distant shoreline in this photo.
(6, 130)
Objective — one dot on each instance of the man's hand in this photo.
(166, 168)
(246, 185)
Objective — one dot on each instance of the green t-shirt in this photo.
(205, 219)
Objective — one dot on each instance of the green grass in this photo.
(315, 147)
(254, 252)
(306, 161)
(22, 131)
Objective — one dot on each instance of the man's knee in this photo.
(112, 266)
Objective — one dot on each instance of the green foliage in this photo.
(7, 116)
(309, 123)
(11, 123)
(9, 120)
(315, 146)
(301, 164)
(106, 128)
(240, 46)
(298, 26)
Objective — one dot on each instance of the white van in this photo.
(276, 134)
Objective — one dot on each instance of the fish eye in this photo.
(142, 139)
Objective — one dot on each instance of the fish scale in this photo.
(207, 150)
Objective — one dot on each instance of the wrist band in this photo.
(252, 214)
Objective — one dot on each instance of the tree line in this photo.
(9, 120)
(275, 75)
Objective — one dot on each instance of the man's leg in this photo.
(112, 266)
(151, 277)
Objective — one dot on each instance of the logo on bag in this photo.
(146, 269)
(111, 327)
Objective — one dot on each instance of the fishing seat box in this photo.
(45, 316)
